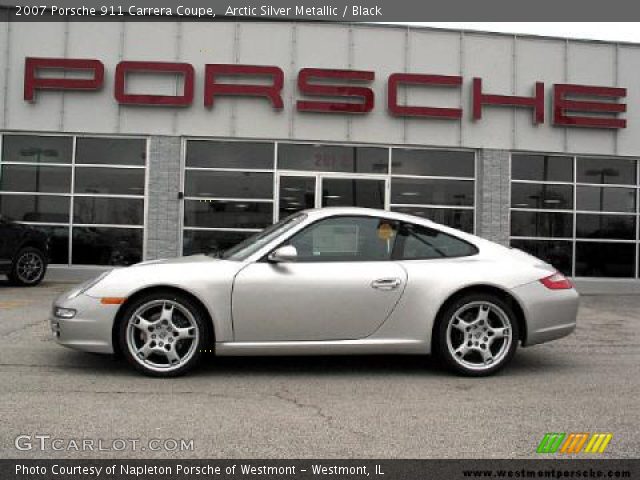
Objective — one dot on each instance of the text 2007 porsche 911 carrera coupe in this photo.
(327, 281)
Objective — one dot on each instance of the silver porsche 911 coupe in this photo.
(326, 281)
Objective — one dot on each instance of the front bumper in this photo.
(91, 328)
(550, 314)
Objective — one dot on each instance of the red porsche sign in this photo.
(327, 90)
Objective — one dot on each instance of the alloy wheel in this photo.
(162, 335)
(479, 335)
(29, 267)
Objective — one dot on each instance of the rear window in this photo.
(424, 243)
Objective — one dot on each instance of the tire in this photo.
(477, 335)
(28, 268)
(163, 334)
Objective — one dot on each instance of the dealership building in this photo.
(130, 141)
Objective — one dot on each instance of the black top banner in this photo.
(327, 10)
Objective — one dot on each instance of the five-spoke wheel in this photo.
(477, 334)
(163, 334)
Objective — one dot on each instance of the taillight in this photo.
(557, 281)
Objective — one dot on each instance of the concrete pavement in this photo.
(341, 407)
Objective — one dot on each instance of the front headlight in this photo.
(66, 313)
(87, 285)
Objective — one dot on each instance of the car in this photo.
(23, 253)
(337, 280)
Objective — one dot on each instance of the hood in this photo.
(201, 258)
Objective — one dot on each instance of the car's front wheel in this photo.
(29, 267)
(477, 334)
(163, 334)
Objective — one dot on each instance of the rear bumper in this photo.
(550, 314)
(91, 328)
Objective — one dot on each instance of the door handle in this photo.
(386, 283)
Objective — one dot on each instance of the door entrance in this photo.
(301, 191)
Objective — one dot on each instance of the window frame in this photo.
(574, 240)
(70, 224)
(278, 172)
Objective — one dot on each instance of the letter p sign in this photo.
(33, 67)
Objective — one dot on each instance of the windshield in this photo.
(254, 243)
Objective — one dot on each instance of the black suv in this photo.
(23, 253)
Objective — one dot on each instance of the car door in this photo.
(5, 244)
(343, 285)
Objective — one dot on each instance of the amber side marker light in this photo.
(112, 300)
(557, 281)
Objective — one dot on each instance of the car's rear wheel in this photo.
(477, 334)
(163, 334)
(29, 267)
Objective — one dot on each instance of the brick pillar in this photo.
(163, 205)
(493, 198)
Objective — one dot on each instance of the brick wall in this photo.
(163, 206)
(493, 195)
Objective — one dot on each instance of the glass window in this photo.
(423, 243)
(614, 218)
(211, 242)
(58, 242)
(106, 246)
(36, 149)
(599, 259)
(296, 193)
(451, 217)
(556, 252)
(603, 199)
(541, 224)
(219, 214)
(202, 183)
(332, 158)
(111, 151)
(432, 192)
(45, 164)
(113, 211)
(622, 227)
(541, 196)
(346, 239)
(350, 192)
(35, 208)
(541, 167)
(35, 178)
(252, 244)
(606, 170)
(438, 163)
(244, 155)
(113, 181)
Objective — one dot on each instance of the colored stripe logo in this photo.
(574, 443)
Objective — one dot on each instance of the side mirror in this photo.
(287, 253)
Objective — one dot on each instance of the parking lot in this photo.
(320, 407)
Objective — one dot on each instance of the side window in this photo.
(346, 239)
(427, 243)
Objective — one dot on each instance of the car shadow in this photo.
(334, 365)
(525, 363)
(264, 366)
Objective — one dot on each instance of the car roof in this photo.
(316, 213)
